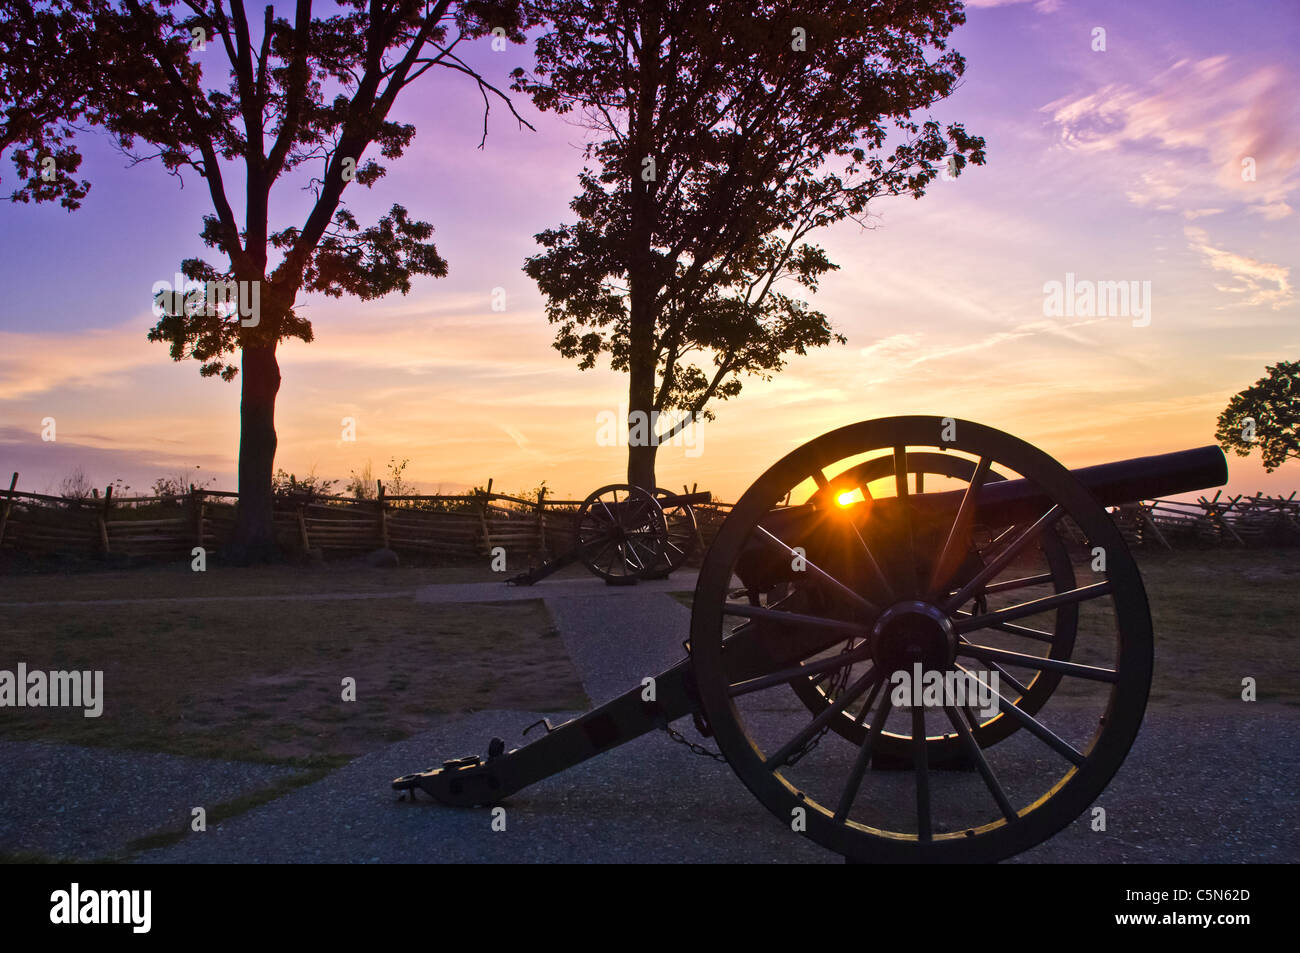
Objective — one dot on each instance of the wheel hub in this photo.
(910, 632)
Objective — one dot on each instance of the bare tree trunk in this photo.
(642, 287)
(254, 539)
(641, 445)
(641, 466)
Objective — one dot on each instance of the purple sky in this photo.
(1122, 165)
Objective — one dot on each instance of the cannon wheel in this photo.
(818, 692)
(1026, 788)
(621, 533)
(680, 533)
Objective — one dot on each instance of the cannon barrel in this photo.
(701, 498)
(1000, 503)
(1111, 484)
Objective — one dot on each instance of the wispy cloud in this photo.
(33, 362)
(1194, 126)
(1254, 277)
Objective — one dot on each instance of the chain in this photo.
(838, 684)
(699, 749)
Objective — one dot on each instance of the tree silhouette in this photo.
(46, 65)
(726, 132)
(1265, 416)
(311, 94)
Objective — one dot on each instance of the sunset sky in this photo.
(1122, 165)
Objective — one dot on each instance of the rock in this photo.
(382, 559)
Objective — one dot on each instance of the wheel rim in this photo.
(1028, 785)
(620, 532)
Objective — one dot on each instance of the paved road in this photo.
(1202, 784)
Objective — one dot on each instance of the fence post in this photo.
(383, 515)
(196, 510)
(541, 523)
(103, 517)
(482, 518)
(1220, 518)
(302, 529)
(8, 503)
(1150, 521)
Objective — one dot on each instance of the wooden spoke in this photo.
(831, 711)
(820, 573)
(922, 768)
(784, 676)
(987, 653)
(794, 618)
(908, 555)
(1023, 582)
(999, 562)
(954, 547)
(1038, 635)
(850, 792)
(973, 752)
(1033, 607)
(1006, 676)
(1035, 727)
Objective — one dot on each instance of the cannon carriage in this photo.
(910, 663)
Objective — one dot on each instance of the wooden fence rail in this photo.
(471, 526)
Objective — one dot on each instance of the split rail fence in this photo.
(453, 527)
(471, 526)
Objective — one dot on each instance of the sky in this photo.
(1169, 159)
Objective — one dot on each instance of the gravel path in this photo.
(65, 801)
(652, 801)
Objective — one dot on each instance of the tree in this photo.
(1265, 416)
(315, 93)
(46, 67)
(726, 132)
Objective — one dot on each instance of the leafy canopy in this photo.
(204, 89)
(1272, 407)
(734, 128)
(46, 72)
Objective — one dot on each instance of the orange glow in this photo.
(844, 499)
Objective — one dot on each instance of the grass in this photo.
(223, 811)
(1220, 616)
(196, 668)
(177, 581)
(262, 680)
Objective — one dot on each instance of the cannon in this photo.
(625, 534)
(914, 639)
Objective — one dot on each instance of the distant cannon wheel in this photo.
(933, 584)
(1052, 573)
(680, 533)
(621, 533)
